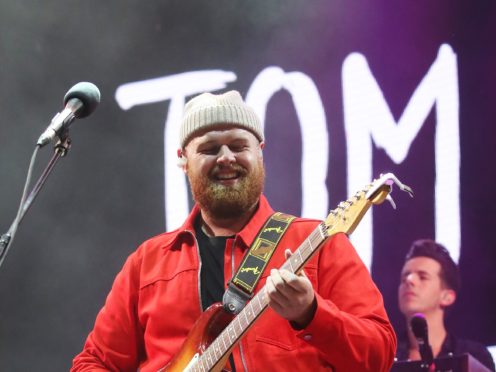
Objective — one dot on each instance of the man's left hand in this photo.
(291, 296)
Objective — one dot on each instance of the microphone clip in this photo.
(63, 144)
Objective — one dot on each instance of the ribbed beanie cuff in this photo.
(209, 110)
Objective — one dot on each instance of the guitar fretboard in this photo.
(242, 322)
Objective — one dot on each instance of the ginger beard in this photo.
(221, 201)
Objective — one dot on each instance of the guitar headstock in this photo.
(349, 213)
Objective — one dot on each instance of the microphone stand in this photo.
(60, 150)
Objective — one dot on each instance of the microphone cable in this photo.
(7, 238)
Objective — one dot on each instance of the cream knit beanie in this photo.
(209, 110)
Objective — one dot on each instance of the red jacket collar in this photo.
(247, 234)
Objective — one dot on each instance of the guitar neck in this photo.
(228, 338)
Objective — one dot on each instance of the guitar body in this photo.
(204, 332)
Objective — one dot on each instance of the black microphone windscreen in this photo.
(419, 326)
(88, 93)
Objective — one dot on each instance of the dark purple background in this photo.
(107, 196)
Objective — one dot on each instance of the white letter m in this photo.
(368, 118)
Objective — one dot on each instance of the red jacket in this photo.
(155, 301)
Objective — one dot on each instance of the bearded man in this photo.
(330, 317)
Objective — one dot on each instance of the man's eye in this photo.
(239, 147)
(209, 151)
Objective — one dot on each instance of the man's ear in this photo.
(261, 145)
(182, 161)
(448, 297)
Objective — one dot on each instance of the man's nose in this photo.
(226, 156)
(410, 279)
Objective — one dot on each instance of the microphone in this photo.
(79, 101)
(419, 329)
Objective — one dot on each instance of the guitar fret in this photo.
(317, 238)
(202, 361)
(312, 239)
(259, 303)
(240, 322)
(215, 348)
(224, 341)
(219, 347)
(321, 231)
(310, 244)
(250, 310)
(232, 329)
(291, 265)
(239, 325)
(246, 318)
(296, 266)
(209, 358)
(320, 239)
(254, 306)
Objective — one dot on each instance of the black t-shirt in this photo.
(212, 269)
(212, 250)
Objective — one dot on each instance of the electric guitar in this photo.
(216, 332)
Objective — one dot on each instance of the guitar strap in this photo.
(240, 288)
